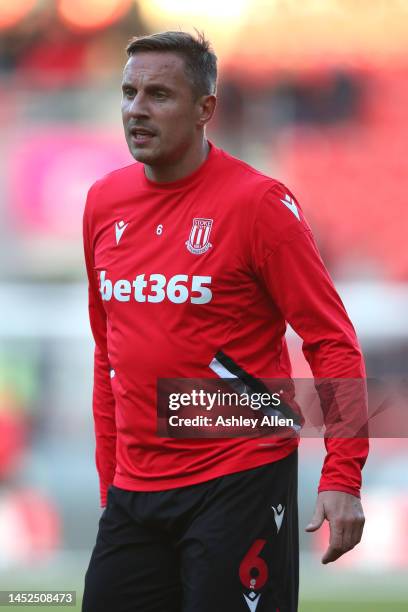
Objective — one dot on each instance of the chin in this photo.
(143, 156)
(148, 156)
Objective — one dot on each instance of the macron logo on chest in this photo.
(119, 229)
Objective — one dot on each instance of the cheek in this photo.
(124, 111)
(179, 121)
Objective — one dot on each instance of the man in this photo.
(195, 262)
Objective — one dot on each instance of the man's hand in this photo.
(346, 519)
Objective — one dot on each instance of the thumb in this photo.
(317, 519)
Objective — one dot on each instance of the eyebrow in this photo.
(148, 87)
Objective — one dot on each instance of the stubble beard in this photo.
(144, 156)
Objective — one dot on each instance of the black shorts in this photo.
(225, 545)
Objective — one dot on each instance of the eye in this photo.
(160, 95)
(128, 92)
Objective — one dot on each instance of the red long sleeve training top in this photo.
(216, 261)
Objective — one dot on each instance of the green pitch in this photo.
(363, 606)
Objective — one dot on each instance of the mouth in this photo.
(141, 135)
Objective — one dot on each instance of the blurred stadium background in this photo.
(314, 92)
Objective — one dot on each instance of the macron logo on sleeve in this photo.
(290, 203)
(119, 229)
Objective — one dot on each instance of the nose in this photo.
(138, 106)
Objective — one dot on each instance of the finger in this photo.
(349, 535)
(317, 519)
(331, 554)
(353, 531)
(335, 548)
(358, 531)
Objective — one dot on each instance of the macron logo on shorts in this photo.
(252, 600)
(278, 512)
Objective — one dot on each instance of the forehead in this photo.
(155, 66)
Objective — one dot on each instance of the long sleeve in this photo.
(103, 401)
(297, 280)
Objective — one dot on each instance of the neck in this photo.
(183, 167)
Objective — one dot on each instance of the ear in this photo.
(205, 109)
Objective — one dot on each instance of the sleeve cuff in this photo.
(343, 489)
(103, 495)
